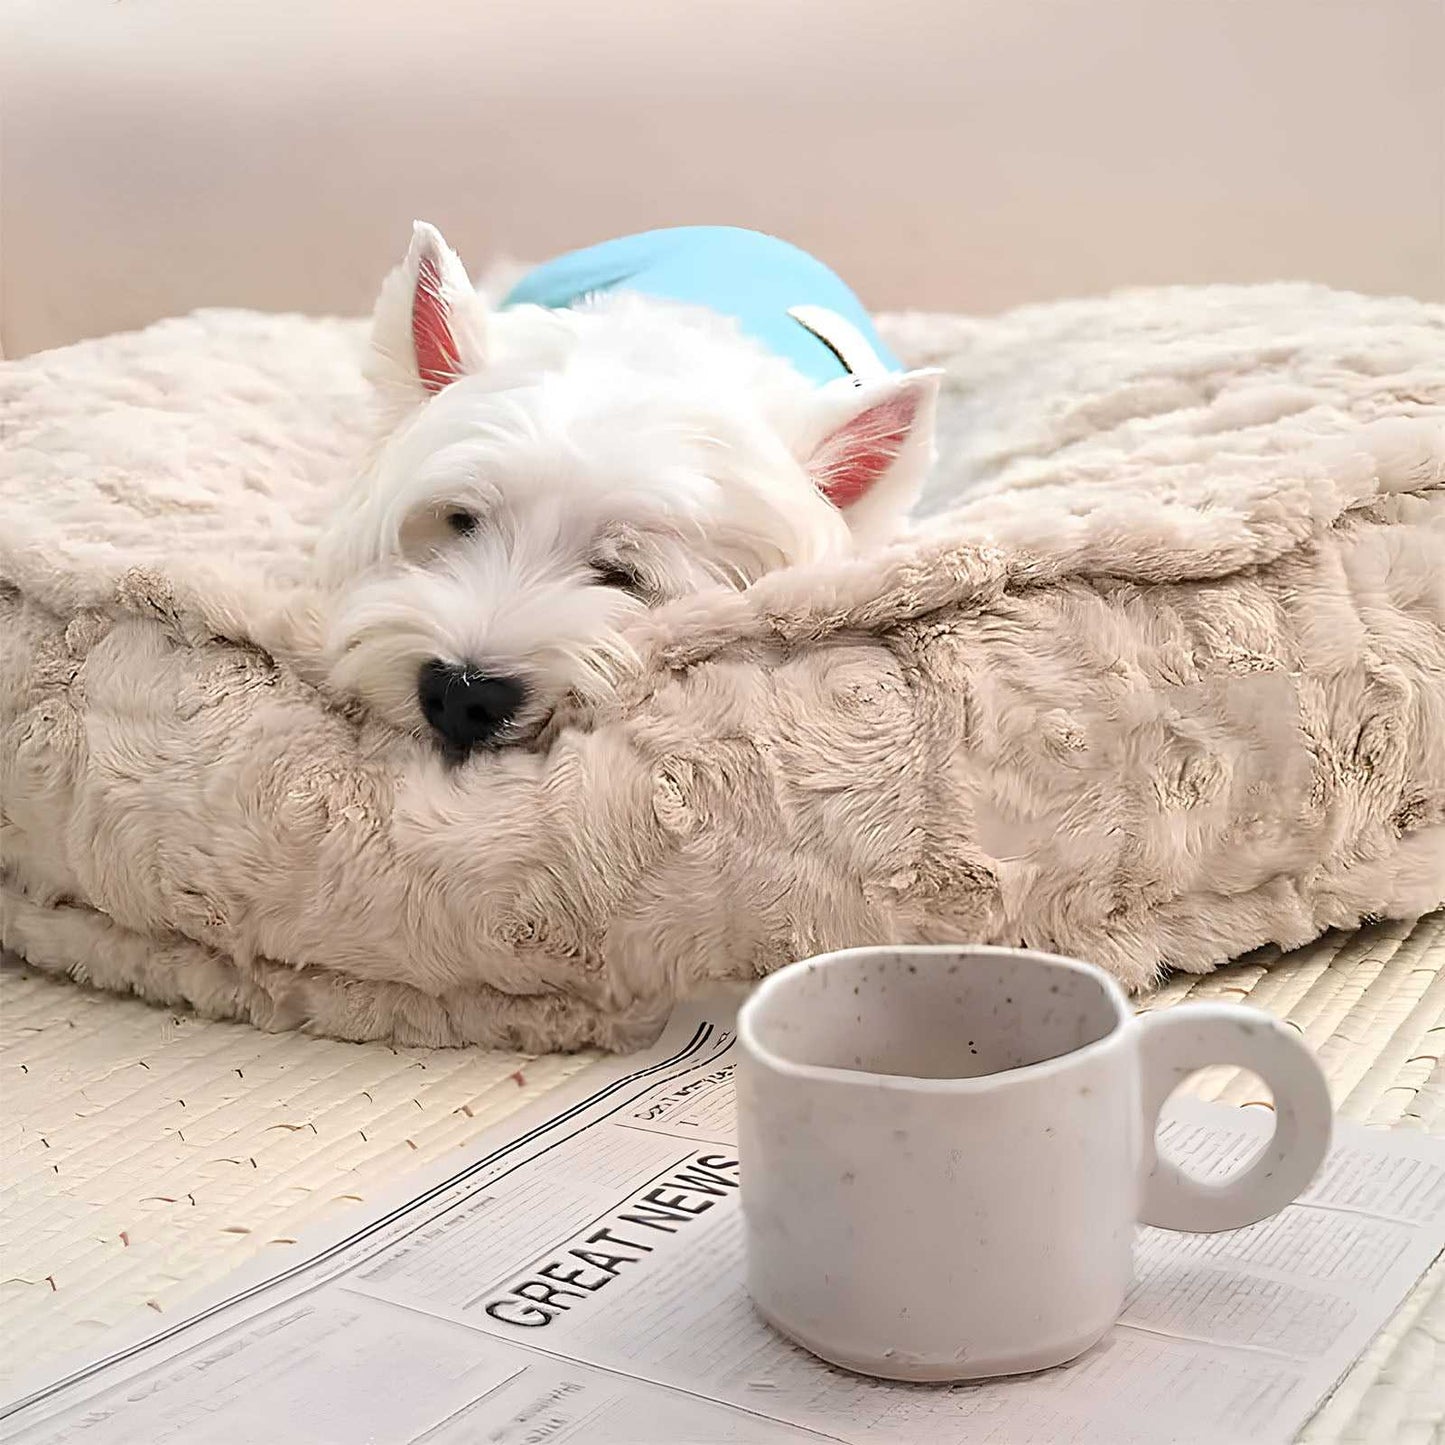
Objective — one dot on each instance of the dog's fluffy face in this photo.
(544, 477)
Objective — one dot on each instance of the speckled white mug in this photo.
(945, 1151)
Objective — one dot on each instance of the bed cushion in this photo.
(1160, 680)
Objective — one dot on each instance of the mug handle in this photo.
(1177, 1042)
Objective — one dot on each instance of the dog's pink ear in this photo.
(428, 327)
(871, 464)
(437, 360)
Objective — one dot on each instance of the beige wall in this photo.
(969, 154)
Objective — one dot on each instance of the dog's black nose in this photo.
(466, 707)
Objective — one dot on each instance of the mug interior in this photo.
(933, 1013)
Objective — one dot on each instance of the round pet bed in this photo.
(1160, 680)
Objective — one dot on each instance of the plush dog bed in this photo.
(1160, 680)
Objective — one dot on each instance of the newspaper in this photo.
(576, 1275)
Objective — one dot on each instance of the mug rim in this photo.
(977, 1083)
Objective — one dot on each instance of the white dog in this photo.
(549, 471)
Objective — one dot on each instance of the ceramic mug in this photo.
(945, 1151)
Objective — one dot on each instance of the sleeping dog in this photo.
(673, 411)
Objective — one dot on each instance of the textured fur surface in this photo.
(1162, 680)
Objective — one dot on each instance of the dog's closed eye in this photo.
(620, 576)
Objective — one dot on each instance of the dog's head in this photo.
(544, 476)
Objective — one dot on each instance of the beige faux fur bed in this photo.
(1166, 683)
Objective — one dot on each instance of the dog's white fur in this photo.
(628, 433)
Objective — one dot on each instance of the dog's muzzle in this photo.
(466, 708)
